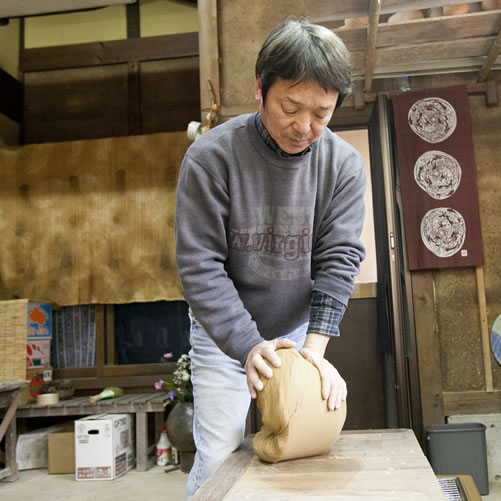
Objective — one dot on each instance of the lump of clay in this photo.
(296, 420)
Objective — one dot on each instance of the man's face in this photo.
(295, 115)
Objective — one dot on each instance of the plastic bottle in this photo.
(163, 447)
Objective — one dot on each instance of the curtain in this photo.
(437, 178)
(86, 222)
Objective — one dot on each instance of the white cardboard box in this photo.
(104, 446)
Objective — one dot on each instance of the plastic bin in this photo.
(459, 449)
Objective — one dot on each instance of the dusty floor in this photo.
(152, 485)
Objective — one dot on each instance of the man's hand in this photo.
(333, 385)
(255, 364)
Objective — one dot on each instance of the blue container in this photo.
(459, 449)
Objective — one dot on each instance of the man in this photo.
(268, 217)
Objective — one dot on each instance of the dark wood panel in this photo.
(112, 52)
(355, 356)
(10, 96)
(80, 103)
(170, 94)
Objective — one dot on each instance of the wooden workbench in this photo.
(377, 465)
(8, 408)
(140, 404)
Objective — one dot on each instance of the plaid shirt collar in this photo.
(270, 142)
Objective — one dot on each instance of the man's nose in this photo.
(302, 124)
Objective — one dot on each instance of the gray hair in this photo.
(300, 51)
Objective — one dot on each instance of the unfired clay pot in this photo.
(401, 17)
(456, 10)
(490, 5)
(356, 22)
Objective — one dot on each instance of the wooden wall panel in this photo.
(354, 353)
(117, 88)
(78, 103)
(170, 94)
(456, 309)
(241, 33)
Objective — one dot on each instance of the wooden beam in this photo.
(434, 29)
(473, 88)
(428, 347)
(100, 339)
(9, 415)
(327, 10)
(422, 55)
(471, 402)
(109, 318)
(484, 330)
(374, 12)
(133, 28)
(113, 52)
(210, 86)
(15, 8)
(490, 59)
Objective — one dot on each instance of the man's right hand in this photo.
(255, 364)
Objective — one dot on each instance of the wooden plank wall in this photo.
(455, 371)
(118, 88)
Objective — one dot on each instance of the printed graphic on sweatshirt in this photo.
(279, 246)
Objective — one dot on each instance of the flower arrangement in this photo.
(179, 387)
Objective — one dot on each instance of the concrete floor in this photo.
(151, 485)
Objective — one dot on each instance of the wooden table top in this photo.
(376, 465)
(80, 406)
(11, 385)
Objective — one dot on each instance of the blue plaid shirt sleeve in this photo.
(325, 314)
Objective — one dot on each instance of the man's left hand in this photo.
(333, 385)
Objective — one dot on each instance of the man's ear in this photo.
(259, 93)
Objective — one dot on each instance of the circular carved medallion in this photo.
(437, 173)
(432, 119)
(443, 231)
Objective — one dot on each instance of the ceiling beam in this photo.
(374, 12)
(427, 54)
(490, 59)
(16, 8)
(433, 29)
(318, 11)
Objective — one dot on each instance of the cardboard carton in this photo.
(104, 446)
(62, 450)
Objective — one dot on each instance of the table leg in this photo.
(10, 451)
(141, 441)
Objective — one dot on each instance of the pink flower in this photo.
(158, 384)
(168, 355)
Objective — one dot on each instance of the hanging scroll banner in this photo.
(437, 178)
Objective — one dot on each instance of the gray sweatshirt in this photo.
(257, 232)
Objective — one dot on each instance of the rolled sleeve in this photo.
(326, 314)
